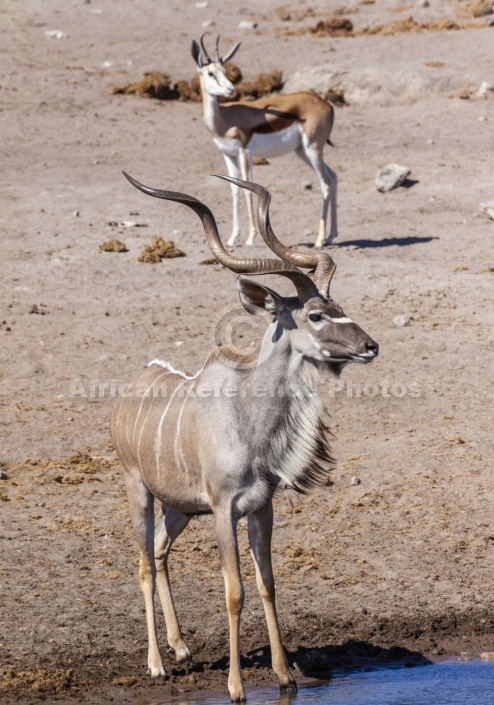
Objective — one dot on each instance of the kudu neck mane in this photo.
(291, 436)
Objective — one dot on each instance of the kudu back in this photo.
(221, 441)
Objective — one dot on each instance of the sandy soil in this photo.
(398, 567)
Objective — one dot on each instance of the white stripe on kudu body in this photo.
(268, 127)
(220, 442)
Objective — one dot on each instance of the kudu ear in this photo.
(196, 54)
(257, 299)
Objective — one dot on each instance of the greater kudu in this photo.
(222, 441)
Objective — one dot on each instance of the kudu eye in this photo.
(315, 316)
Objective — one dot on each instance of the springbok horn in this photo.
(260, 265)
(322, 262)
(208, 58)
(218, 57)
(230, 54)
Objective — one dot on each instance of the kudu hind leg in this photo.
(141, 505)
(260, 528)
(170, 525)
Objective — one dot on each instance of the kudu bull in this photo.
(224, 453)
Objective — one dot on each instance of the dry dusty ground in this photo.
(403, 560)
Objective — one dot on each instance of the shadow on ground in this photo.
(324, 662)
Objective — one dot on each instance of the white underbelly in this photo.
(275, 144)
(269, 144)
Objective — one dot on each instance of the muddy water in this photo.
(448, 683)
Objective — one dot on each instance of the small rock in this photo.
(247, 24)
(391, 176)
(355, 480)
(430, 141)
(401, 321)
(482, 118)
(41, 504)
(201, 5)
(487, 655)
(3, 475)
(485, 89)
(489, 21)
(207, 24)
(487, 208)
(422, 3)
(259, 161)
(56, 34)
(306, 185)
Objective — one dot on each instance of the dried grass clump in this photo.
(159, 250)
(288, 14)
(409, 25)
(476, 8)
(38, 681)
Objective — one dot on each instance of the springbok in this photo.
(268, 127)
(221, 441)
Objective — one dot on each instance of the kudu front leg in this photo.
(260, 528)
(168, 528)
(226, 531)
(141, 505)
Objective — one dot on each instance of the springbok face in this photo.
(318, 329)
(214, 81)
(212, 73)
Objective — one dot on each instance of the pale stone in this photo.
(487, 208)
(247, 24)
(401, 321)
(391, 176)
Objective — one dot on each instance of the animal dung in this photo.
(155, 84)
(160, 249)
(113, 246)
(159, 85)
(333, 27)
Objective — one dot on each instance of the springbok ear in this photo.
(257, 299)
(196, 54)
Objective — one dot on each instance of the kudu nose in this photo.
(372, 347)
